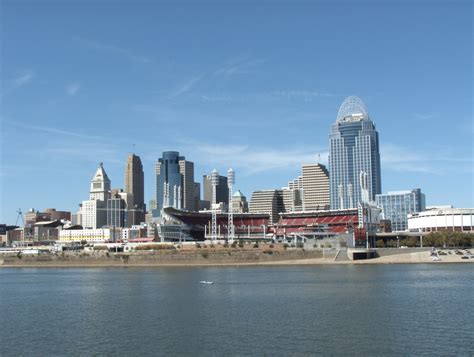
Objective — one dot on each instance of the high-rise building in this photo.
(168, 180)
(354, 157)
(94, 210)
(116, 212)
(135, 185)
(397, 205)
(186, 169)
(267, 201)
(197, 195)
(308, 192)
(100, 185)
(315, 184)
(94, 214)
(222, 190)
(174, 182)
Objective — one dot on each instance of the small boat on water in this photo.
(206, 282)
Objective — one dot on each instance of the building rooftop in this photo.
(352, 109)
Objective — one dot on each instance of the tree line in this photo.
(434, 239)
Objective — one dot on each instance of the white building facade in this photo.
(88, 235)
(442, 219)
(94, 210)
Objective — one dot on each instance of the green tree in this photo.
(379, 243)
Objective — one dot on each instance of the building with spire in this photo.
(353, 154)
(135, 186)
(94, 210)
(100, 185)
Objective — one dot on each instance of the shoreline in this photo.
(403, 258)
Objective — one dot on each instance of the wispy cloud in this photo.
(240, 65)
(216, 98)
(73, 88)
(187, 86)
(252, 159)
(52, 130)
(424, 116)
(438, 162)
(22, 79)
(87, 152)
(112, 49)
(305, 95)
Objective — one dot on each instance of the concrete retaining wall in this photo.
(383, 252)
(166, 257)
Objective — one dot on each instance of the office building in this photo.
(315, 184)
(197, 195)
(93, 214)
(267, 201)
(135, 186)
(239, 203)
(222, 190)
(100, 185)
(308, 192)
(174, 183)
(168, 180)
(354, 157)
(94, 211)
(397, 205)
(117, 212)
(186, 169)
(89, 235)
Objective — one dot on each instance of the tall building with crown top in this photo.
(354, 156)
(135, 186)
(94, 210)
(100, 185)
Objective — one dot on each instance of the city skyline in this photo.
(253, 89)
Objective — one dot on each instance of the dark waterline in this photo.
(331, 310)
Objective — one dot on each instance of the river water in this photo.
(330, 310)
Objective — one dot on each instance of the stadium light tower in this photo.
(230, 184)
(214, 182)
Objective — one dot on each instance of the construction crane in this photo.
(19, 215)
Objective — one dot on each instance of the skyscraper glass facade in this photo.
(167, 171)
(354, 149)
(398, 204)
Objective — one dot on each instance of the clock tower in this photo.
(100, 185)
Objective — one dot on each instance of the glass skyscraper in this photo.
(167, 171)
(397, 205)
(354, 156)
(178, 175)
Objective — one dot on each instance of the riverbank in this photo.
(217, 257)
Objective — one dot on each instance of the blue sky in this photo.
(252, 85)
